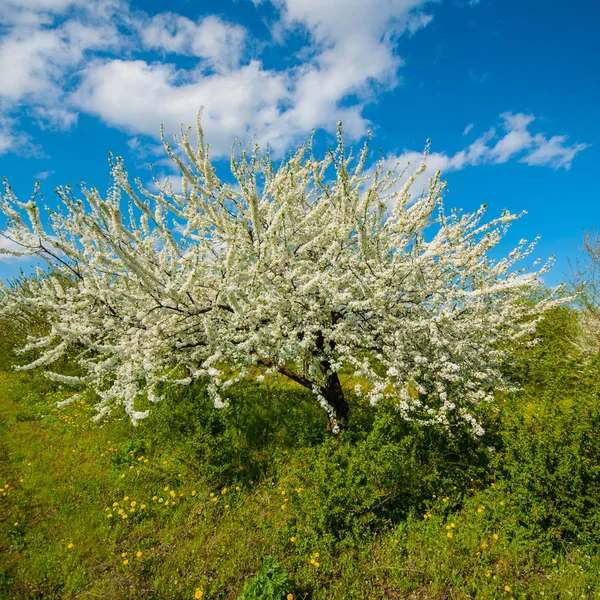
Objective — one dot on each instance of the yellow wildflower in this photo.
(292, 539)
(139, 554)
(123, 554)
(166, 488)
(193, 492)
(126, 498)
(507, 588)
(290, 597)
(133, 503)
(480, 509)
(125, 562)
(224, 490)
(69, 546)
(449, 534)
(198, 593)
(142, 507)
(495, 536)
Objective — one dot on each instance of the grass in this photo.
(383, 511)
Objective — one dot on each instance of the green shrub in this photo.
(271, 582)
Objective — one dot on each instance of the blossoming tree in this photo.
(308, 269)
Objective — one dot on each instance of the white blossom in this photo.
(308, 269)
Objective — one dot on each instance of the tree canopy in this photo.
(308, 268)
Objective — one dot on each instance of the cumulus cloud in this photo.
(62, 57)
(492, 148)
(221, 44)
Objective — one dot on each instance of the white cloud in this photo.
(50, 46)
(554, 153)
(12, 139)
(350, 54)
(492, 148)
(212, 39)
(467, 129)
(43, 175)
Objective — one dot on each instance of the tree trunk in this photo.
(334, 394)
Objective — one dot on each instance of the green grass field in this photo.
(190, 503)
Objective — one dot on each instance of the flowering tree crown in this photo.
(308, 269)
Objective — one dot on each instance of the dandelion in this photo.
(160, 500)
(115, 504)
(198, 593)
(123, 554)
(290, 597)
(134, 503)
(211, 494)
(109, 516)
(132, 510)
(142, 507)
(193, 492)
(224, 490)
(172, 494)
(126, 499)
(293, 539)
(154, 498)
(484, 545)
(554, 561)
(227, 506)
(166, 488)
(501, 502)
(237, 488)
(449, 534)
(69, 546)
(125, 562)
(480, 509)
(507, 588)
(495, 536)
(123, 476)
(139, 554)
(166, 503)
(317, 555)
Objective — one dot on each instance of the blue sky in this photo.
(507, 91)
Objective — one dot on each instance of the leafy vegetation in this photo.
(257, 501)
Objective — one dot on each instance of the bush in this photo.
(271, 582)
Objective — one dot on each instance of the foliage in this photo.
(585, 282)
(270, 582)
(385, 509)
(311, 269)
